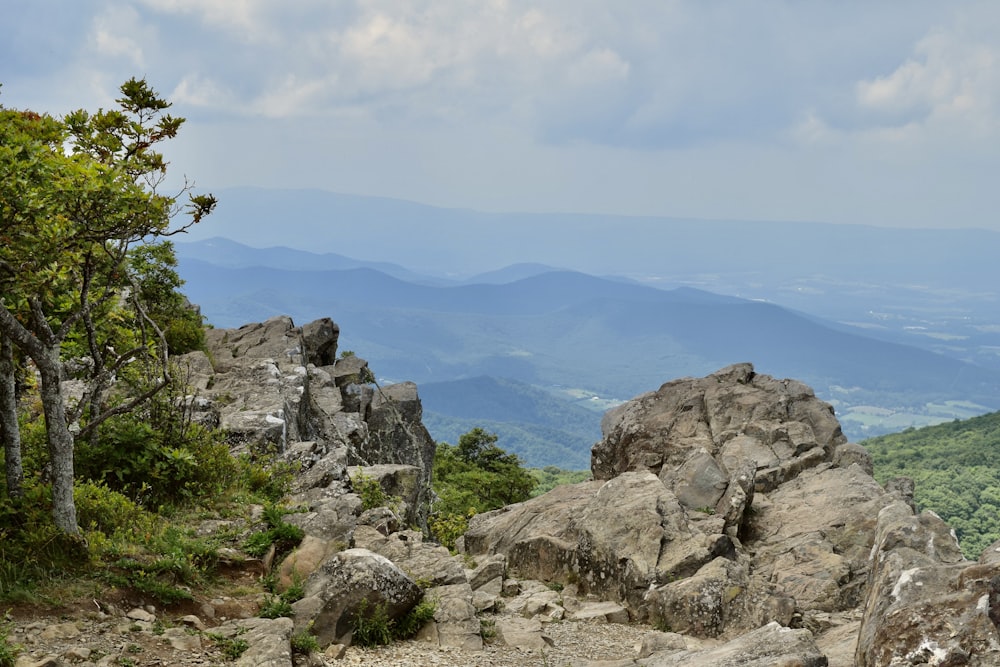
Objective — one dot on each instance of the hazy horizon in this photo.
(864, 113)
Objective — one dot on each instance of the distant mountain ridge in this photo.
(932, 288)
(443, 241)
(566, 332)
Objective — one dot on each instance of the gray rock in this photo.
(524, 634)
(429, 564)
(699, 482)
(349, 370)
(602, 612)
(268, 640)
(850, 453)
(490, 570)
(330, 516)
(615, 538)
(396, 435)
(319, 341)
(704, 604)
(348, 583)
(455, 621)
(768, 646)
(771, 421)
(399, 482)
(925, 603)
(70, 630)
(813, 536)
(182, 640)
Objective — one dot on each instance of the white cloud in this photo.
(118, 33)
(199, 91)
(389, 53)
(952, 79)
(721, 97)
(245, 19)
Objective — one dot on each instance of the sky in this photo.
(848, 111)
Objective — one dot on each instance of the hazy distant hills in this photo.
(894, 327)
(539, 357)
(936, 289)
(457, 242)
(548, 430)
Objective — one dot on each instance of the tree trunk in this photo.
(46, 357)
(10, 431)
(60, 442)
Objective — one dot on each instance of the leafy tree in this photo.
(474, 476)
(68, 219)
(153, 272)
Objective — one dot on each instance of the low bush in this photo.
(283, 535)
(373, 626)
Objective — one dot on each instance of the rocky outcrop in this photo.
(718, 508)
(733, 415)
(274, 387)
(279, 390)
(766, 646)
(730, 507)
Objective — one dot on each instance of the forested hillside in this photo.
(956, 467)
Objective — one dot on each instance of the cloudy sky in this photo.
(880, 112)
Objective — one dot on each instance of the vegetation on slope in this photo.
(540, 427)
(956, 468)
(471, 477)
(550, 477)
(107, 477)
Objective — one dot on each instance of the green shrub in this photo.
(232, 647)
(276, 606)
(284, 536)
(304, 643)
(415, 619)
(33, 552)
(447, 527)
(372, 627)
(157, 463)
(487, 629)
(371, 493)
(267, 478)
(471, 477)
(164, 563)
(158, 579)
(100, 508)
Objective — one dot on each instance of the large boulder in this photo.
(351, 583)
(277, 388)
(716, 507)
(319, 341)
(614, 539)
(733, 415)
(813, 535)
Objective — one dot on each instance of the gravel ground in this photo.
(573, 643)
(91, 638)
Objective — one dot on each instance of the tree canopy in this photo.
(471, 477)
(956, 470)
(77, 194)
